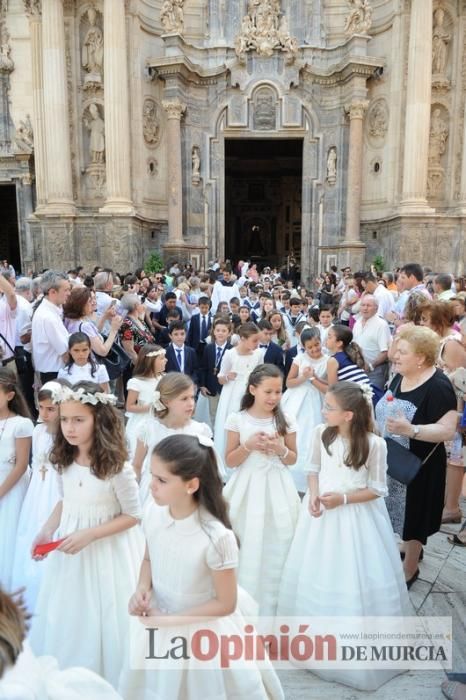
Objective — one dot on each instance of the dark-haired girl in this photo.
(188, 574)
(90, 576)
(15, 447)
(344, 561)
(81, 366)
(264, 504)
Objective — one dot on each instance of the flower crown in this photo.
(65, 393)
(156, 353)
(368, 392)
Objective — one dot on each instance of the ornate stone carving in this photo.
(359, 20)
(377, 121)
(24, 137)
(264, 29)
(174, 109)
(92, 51)
(332, 166)
(6, 63)
(440, 41)
(265, 111)
(171, 16)
(150, 122)
(96, 126)
(33, 8)
(356, 109)
(439, 132)
(196, 165)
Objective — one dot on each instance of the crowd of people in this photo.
(209, 441)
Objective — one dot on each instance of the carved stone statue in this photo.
(24, 135)
(171, 16)
(440, 41)
(96, 127)
(439, 132)
(6, 63)
(359, 20)
(378, 120)
(196, 165)
(264, 29)
(150, 123)
(92, 53)
(332, 166)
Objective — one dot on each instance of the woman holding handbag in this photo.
(79, 317)
(426, 418)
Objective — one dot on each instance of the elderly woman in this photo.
(134, 332)
(428, 407)
(79, 316)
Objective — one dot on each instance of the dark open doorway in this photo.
(263, 183)
(9, 232)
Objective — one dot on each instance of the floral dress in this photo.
(139, 333)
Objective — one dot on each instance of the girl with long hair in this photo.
(80, 608)
(188, 574)
(344, 561)
(81, 365)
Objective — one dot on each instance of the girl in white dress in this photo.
(264, 503)
(148, 371)
(173, 408)
(188, 574)
(15, 448)
(41, 497)
(303, 399)
(82, 367)
(237, 365)
(344, 561)
(80, 611)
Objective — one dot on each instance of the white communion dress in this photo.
(145, 386)
(81, 613)
(233, 391)
(11, 429)
(264, 510)
(41, 498)
(346, 563)
(183, 554)
(304, 402)
(39, 678)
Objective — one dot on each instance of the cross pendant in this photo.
(43, 471)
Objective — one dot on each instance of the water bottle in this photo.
(456, 451)
(393, 411)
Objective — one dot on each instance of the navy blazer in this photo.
(193, 338)
(191, 365)
(208, 377)
(274, 356)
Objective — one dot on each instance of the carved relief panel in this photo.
(439, 135)
(377, 122)
(264, 109)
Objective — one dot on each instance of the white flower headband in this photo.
(157, 403)
(204, 440)
(65, 393)
(156, 353)
(367, 392)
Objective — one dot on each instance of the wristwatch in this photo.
(416, 430)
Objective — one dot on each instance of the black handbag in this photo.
(115, 362)
(403, 465)
(19, 357)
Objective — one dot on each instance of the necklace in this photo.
(5, 421)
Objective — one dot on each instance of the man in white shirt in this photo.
(8, 305)
(49, 335)
(384, 298)
(224, 290)
(103, 284)
(372, 334)
(23, 339)
(443, 287)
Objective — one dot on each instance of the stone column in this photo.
(356, 111)
(33, 10)
(117, 136)
(174, 110)
(418, 105)
(462, 198)
(57, 133)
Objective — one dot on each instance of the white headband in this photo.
(64, 393)
(156, 353)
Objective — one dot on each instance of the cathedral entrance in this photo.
(263, 192)
(9, 232)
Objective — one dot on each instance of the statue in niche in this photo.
(359, 20)
(24, 135)
(92, 54)
(440, 41)
(264, 110)
(196, 165)
(96, 127)
(332, 166)
(150, 123)
(171, 16)
(438, 139)
(6, 63)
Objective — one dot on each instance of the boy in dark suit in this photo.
(180, 357)
(199, 327)
(211, 361)
(273, 352)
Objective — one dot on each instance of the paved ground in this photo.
(440, 590)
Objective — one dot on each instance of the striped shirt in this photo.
(348, 371)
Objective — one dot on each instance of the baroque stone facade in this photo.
(331, 130)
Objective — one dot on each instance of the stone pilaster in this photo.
(418, 106)
(175, 111)
(117, 126)
(462, 197)
(56, 126)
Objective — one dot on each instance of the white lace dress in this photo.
(145, 387)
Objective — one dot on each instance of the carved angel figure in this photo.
(171, 16)
(359, 20)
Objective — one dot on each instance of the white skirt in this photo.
(10, 509)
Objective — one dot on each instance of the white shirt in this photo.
(385, 300)
(7, 328)
(373, 336)
(83, 373)
(49, 337)
(23, 320)
(222, 293)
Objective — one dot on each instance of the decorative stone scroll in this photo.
(265, 29)
(150, 123)
(171, 16)
(359, 20)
